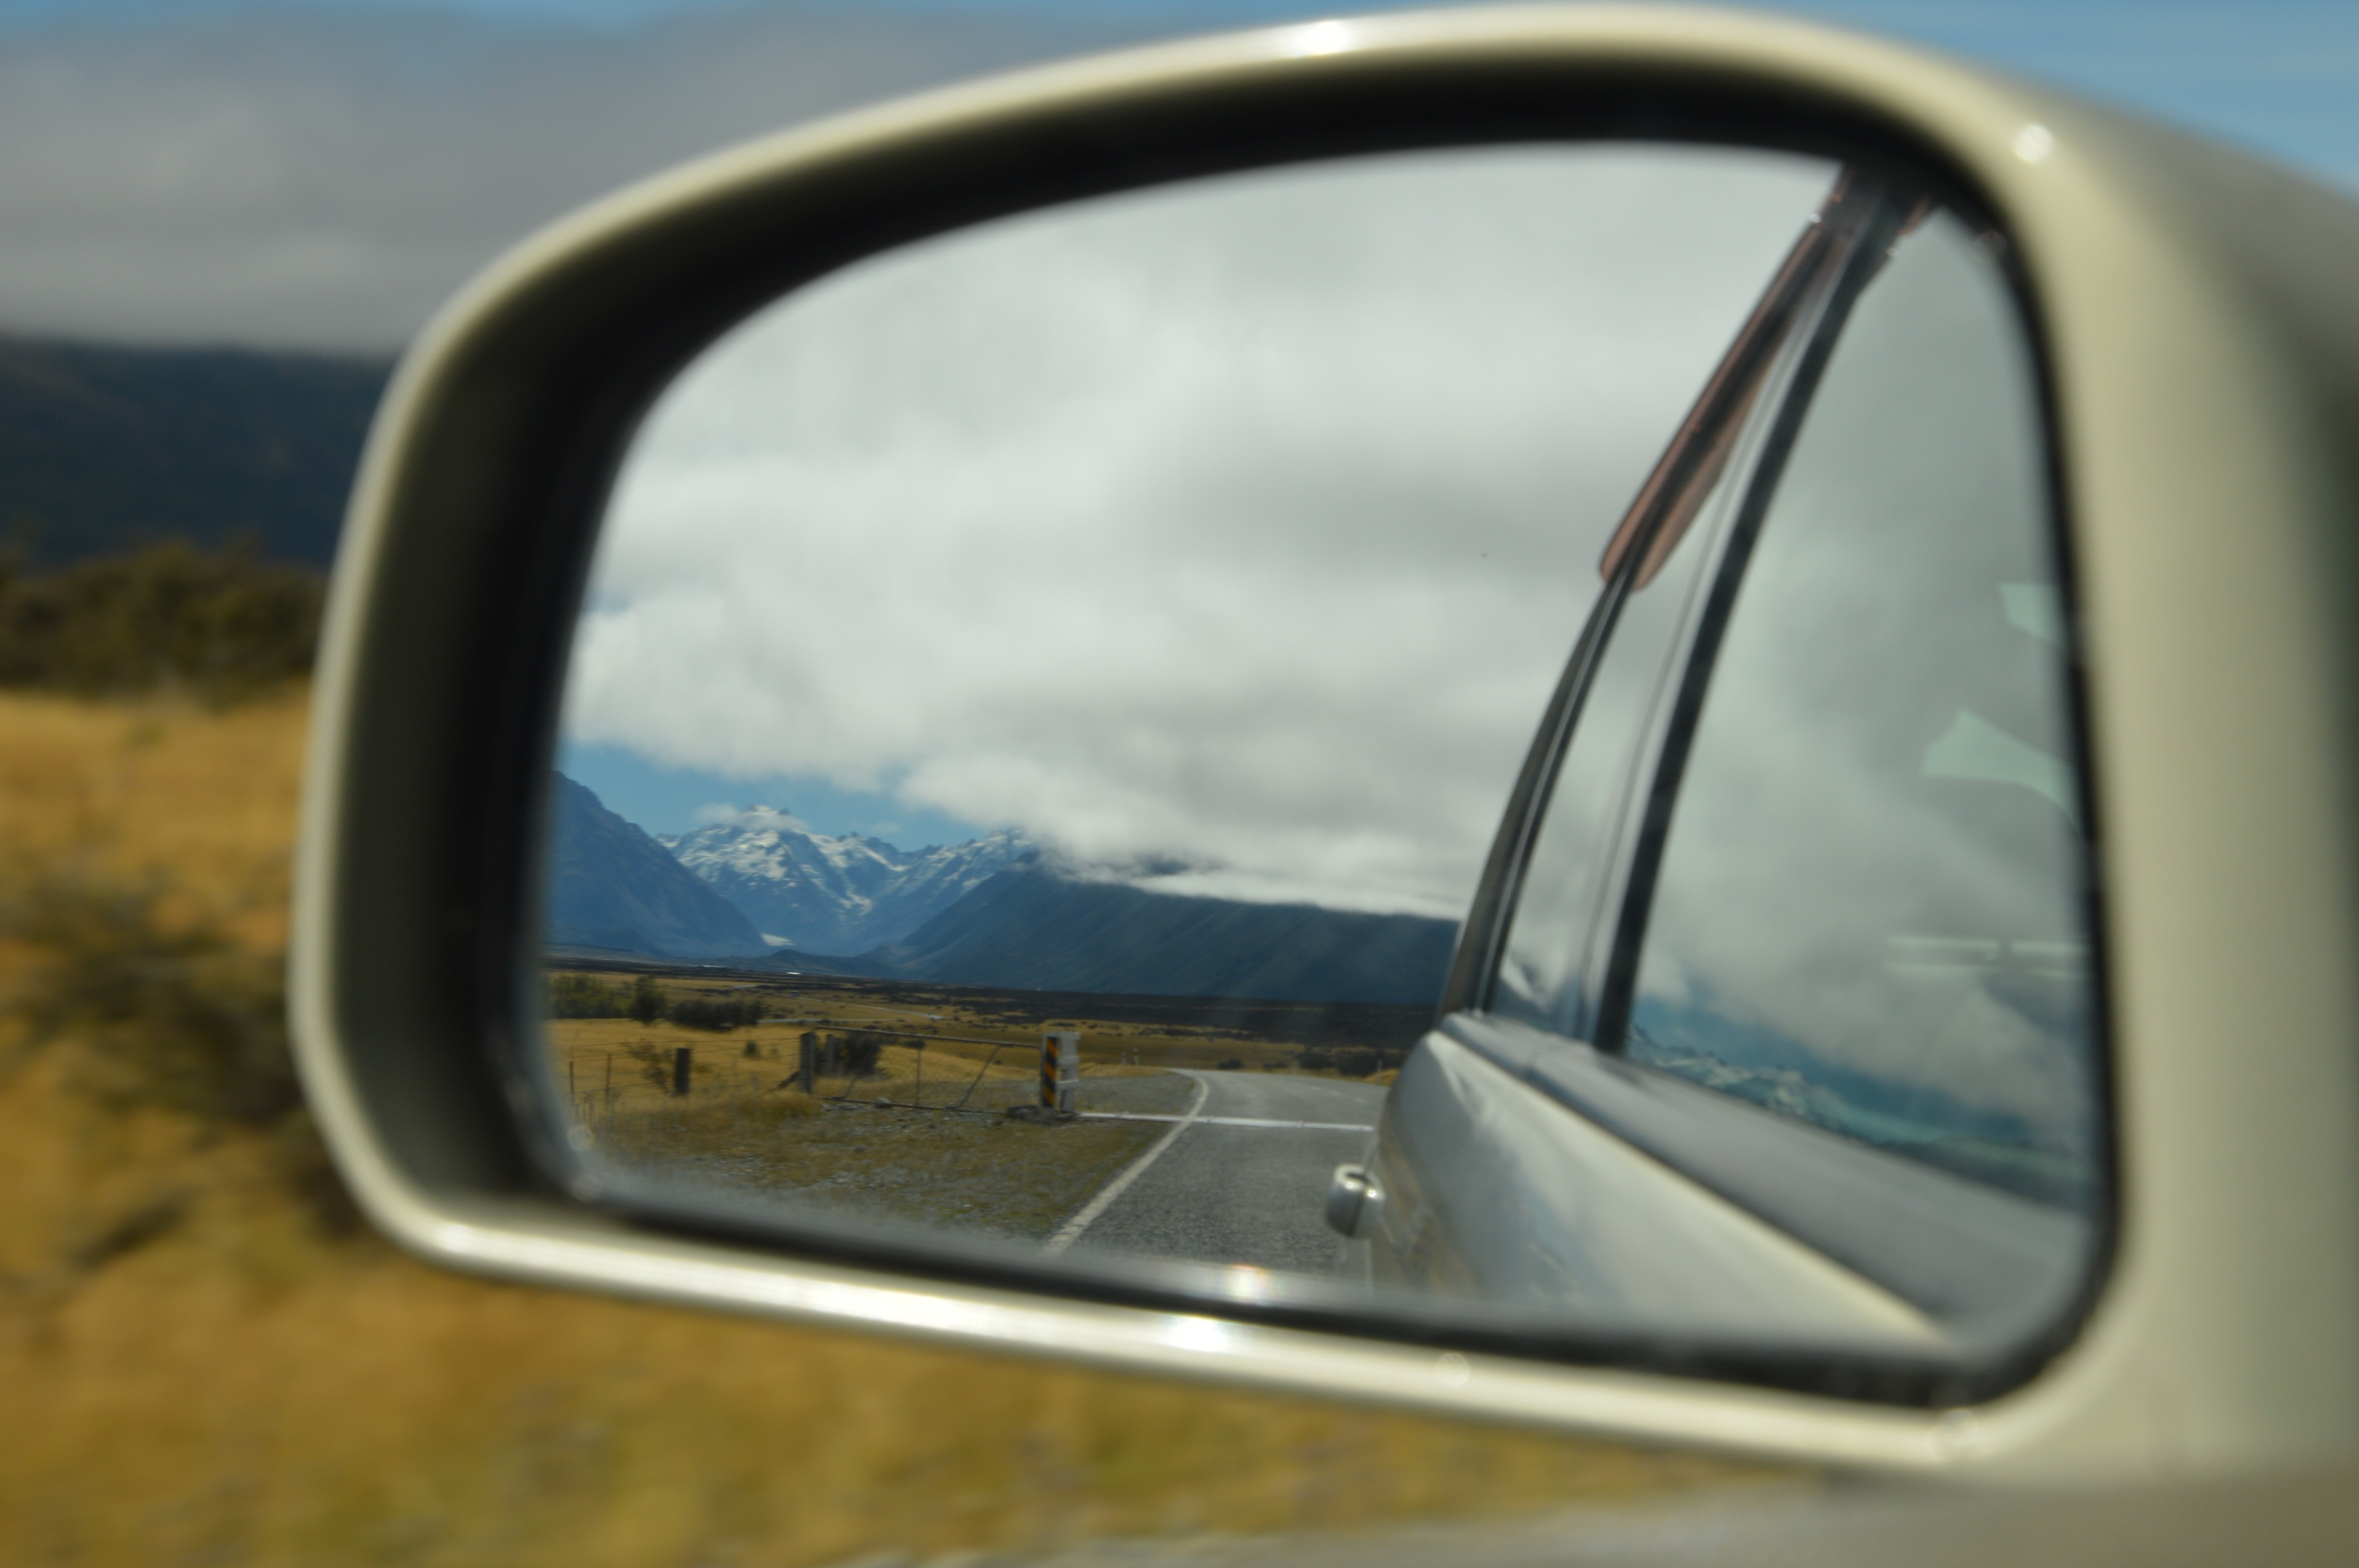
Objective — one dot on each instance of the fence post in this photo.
(680, 1058)
(1061, 1063)
(807, 1069)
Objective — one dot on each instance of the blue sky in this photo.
(674, 800)
(2281, 76)
(322, 173)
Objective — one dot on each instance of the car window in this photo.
(1551, 964)
(1870, 911)
(1547, 974)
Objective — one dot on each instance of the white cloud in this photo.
(1843, 872)
(292, 176)
(1243, 526)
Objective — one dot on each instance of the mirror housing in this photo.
(2199, 336)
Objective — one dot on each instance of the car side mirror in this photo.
(1463, 709)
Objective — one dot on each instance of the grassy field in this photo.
(887, 1144)
(924, 1134)
(204, 1362)
(1168, 1031)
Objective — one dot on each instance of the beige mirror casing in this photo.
(2200, 337)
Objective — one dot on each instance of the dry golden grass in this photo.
(862, 1147)
(1105, 1046)
(195, 1371)
(202, 800)
(593, 1059)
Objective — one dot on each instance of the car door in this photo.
(1778, 1012)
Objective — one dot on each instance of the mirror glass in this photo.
(1046, 696)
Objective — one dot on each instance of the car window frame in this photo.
(1876, 1219)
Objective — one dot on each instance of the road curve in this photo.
(1225, 1190)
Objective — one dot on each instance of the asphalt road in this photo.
(1225, 1190)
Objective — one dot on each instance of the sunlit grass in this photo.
(193, 1369)
(922, 1137)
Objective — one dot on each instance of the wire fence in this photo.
(602, 1087)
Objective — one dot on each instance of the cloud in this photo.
(322, 173)
(717, 813)
(1241, 528)
(1845, 875)
(295, 177)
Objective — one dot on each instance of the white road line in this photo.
(1225, 1121)
(1071, 1231)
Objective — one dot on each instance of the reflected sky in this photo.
(671, 801)
(1233, 532)
(1870, 905)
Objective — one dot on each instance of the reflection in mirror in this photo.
(1907, 952)
(1817, 845)
(1046, 695)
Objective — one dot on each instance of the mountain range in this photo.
(993, 911)
(104, 449)
(819, 893)
(1030, 928)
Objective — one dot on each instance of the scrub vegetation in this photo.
(220, 626)
(206, 1359)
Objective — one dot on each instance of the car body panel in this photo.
(1520, 1203)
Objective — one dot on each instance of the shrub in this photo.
(647, 1004)
(858, 1053)
(705, 1011)
(174, 1017)
(1233, 1064)
(587, 996)
(224, 625)
(1360, 1062)
(168, 1015)
(1315, 1059)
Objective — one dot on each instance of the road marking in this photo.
(1224, 1121)
(1071, 1231)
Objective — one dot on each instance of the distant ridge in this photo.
(105, 449)
(612, 886)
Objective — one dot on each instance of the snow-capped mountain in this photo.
(829, 894)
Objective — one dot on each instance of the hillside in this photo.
(612, 886)
(1035, 931)
(105, 449)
